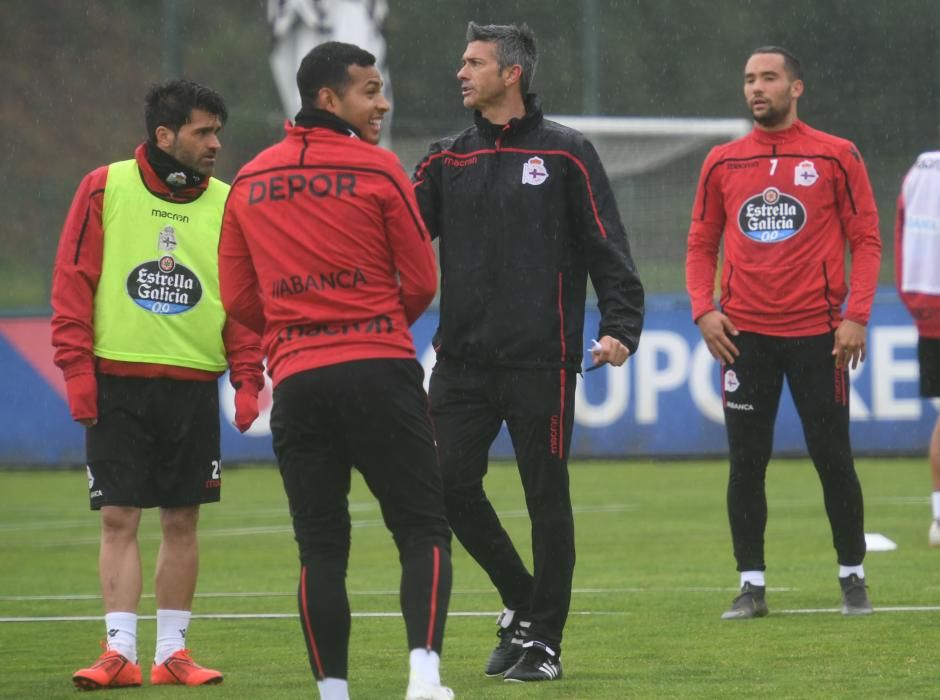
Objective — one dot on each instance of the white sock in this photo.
(426, 665)
(121, 628)
(845, 571)
(333, 689)
(936, 505)
(171, 633)
(755, 578)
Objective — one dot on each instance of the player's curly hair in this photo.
(170, 104)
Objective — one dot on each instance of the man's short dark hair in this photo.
(791, 64)
(327, 65)
(170, 104)
(515, 45)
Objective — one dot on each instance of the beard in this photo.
(772, 116)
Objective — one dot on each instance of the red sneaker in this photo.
(180, 669)
(111, 670)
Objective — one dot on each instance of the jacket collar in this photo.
(311, 118)
(792, 132)
(531, 119)
(159, 186)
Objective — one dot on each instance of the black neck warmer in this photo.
(176, 175)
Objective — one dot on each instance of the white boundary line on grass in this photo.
(291, 616)
(896, 608)
(273, 616)
(395, 592)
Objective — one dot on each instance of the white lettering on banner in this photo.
(858, 411)
(653, 383)
(683, 367)
(706, 398)
(889, 371)
(615, 402)
(651, 380)
(427, 359)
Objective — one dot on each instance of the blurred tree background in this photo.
(76, 73)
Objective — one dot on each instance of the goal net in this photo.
(653, 165)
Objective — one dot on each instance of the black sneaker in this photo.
(855, 596)
(751, 603)
(538, 663)
(512, 632)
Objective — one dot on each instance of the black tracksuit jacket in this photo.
(524, 213)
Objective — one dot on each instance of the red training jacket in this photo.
(75, 280)
(917, 243)
(324, 249)
(787, 203)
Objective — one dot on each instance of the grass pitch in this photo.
(654, 573)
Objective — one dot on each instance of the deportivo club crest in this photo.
(805, 174)
(177, 179)
(731, 381)
(166, 240)
(534, 171)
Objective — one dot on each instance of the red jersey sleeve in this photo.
(238, 280)
(704, 242)
(859, 216)
(244, 353)
(75, 278)
(411, 248)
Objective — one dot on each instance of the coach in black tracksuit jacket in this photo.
(524, 214)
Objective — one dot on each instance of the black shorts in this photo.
(156, 443)
(928, 356)
(371, 414)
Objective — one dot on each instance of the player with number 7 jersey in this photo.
(786, 202)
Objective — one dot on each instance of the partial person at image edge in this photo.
(917, 275)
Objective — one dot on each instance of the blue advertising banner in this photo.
(665, 402)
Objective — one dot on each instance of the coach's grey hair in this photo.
(515, 44)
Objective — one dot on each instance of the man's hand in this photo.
(716, 328)
(82, 391)
(246, 406)
(609, 350)
(850, 344)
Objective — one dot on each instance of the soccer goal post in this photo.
(653, 164)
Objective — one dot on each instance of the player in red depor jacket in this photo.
(324, 249)
(141, 338)
(917, 273)
(786, 200)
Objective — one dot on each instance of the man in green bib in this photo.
(141, 338)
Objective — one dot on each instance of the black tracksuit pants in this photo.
(751, 389)
(371, 414)
(468, 407)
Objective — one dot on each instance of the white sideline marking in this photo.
(896, 608)
(282, 529)
(395, 592)
(275, 616)
(291, 616)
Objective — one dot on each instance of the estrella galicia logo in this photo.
(164, 286)
(771, 216)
